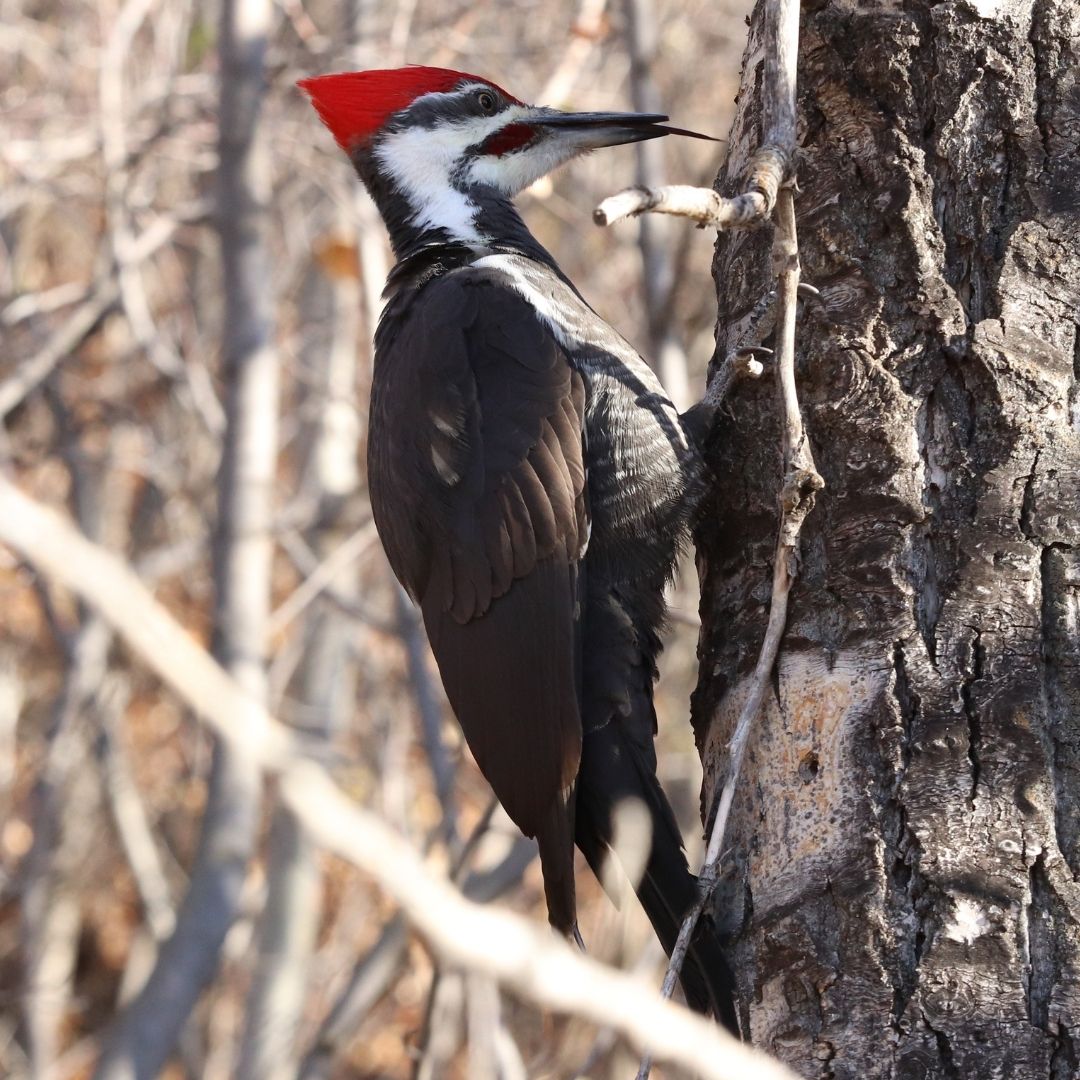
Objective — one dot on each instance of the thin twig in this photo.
(523, 957)
(439, 1034)
(307, 563)
(375, 972)
(129, 814)
(65, 795)
(800, 479)
(98, 302)
(32, 372)
(322, 577)
(429, 706)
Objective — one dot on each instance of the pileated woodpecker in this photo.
(529, 478)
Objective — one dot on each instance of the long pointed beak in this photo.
(592, 130)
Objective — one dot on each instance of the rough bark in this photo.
(905, 847)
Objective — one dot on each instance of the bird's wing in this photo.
(477, 480)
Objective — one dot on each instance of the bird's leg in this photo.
(745, 361)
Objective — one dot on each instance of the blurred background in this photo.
(117, 407)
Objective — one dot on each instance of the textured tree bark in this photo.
(905, 848)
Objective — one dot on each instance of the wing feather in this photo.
(477, 477)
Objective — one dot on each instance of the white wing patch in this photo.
(520, 283)
(573, 337)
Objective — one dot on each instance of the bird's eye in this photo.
(486, 100)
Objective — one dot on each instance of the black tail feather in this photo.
(706, 977)
(555, 839)
(613, 769)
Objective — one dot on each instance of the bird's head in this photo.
(444, 141)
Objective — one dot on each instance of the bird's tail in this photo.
(667, 891)
(614, 768)
(555, 839)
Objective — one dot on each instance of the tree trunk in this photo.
(904, 845)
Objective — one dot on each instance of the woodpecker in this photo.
(530, 480)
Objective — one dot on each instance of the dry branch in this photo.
(772, 164)
(702, 205)
(326, 682)
(147, 1031)
(523, 957)
(97, 303)
(375, 972)
(33, 371)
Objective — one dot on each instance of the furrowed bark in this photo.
(905, 860)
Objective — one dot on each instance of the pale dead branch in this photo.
(769, 169)
(523, 957)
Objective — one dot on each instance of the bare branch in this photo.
(375, 972)
(322, 577)
(66, 792)
(148, 1029)
(770, 167)
(99, 300)
(327, 683)
(129, 815)
(443, 1027)
(34, 371)
(702, 205)
(523, 957)
(483, 1019)
(429, 706)
(369, 980)
(12, 697)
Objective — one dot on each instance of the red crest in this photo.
(355, 104)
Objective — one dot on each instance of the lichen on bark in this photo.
(905, 847)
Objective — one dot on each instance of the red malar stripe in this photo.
(507, 139)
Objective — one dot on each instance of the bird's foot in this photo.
(578, 938)
(743, 363)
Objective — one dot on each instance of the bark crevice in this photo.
(933, 659)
